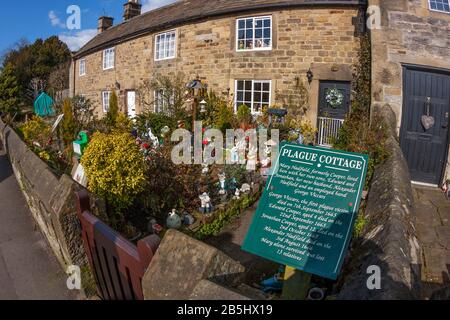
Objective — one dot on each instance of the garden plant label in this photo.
(306, 215)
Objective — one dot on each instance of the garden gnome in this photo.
(206, 203)
(174, 220)
(222, 180)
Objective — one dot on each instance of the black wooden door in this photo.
(426, 93)
(328, 102)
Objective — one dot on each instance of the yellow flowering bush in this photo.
(115, 168)
(36, 130)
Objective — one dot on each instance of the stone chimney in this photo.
(104, 23)
(131, 9)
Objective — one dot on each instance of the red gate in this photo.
(118, 265)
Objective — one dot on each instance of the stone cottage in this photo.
(254, 52)
(411, 73)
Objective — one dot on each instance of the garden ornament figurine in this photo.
(222, 180)
(153, 138)
(205, 203)
(246, 188)
(174, 220)
(237, 194)
(252, 158)
(234, 155)
(205, 169)
(188, 219)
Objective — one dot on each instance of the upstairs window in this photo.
(82, 67)
(440, 5)
(165, 46)
(254, 34)
(108, 58)
(255, 94)
(106, 96)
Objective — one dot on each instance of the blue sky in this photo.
(41, 19)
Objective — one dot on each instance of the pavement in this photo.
(28, 268)
(433, 230)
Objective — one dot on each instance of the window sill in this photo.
(439, 11)
(165, 59)
(253, 50)
(106, 69)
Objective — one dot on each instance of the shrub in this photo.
(83, 114)
(36, 130)
(111, 115)
(123, 123)
(68, 126)
(244, 115)
(115, 169)
(222, 113)
(156, 121)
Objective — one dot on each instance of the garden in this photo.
(128, 163)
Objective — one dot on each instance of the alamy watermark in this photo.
(208, 147)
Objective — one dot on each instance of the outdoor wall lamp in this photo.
(117, 85)
(310, 76)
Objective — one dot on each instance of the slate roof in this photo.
(185, 11)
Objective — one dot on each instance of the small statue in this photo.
(174, 220)
(246, 188)
(268, 151)
(234, 155)
(222, 180)
(252, 158)
(205, 169)
(188, 219)
(237, 194)
(205, 203)
(153, 138)
(232, 184)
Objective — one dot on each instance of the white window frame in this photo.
(254, 34)
(437, 10)
(104, 103)
(82, 67)
(107, 58)
(158, 36)
(236, 106)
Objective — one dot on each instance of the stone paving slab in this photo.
(433, 230)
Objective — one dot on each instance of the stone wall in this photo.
(184, 268)
(389, 239)
(50, 199)
(410, 34)
(317, 38)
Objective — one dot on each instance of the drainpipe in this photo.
(73, 76)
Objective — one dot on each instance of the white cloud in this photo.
(55, 21)
(148, 5)
(77, 39)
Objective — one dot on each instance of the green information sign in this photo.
(306, 215)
